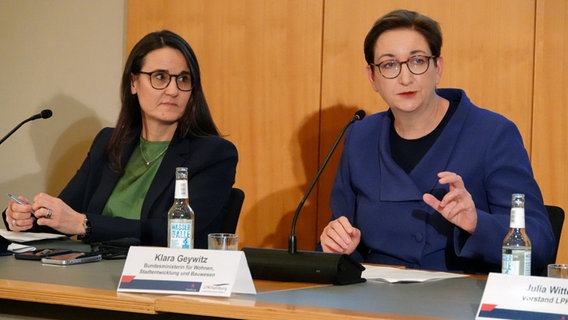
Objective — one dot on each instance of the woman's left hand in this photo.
(53, 212)
(457, 205)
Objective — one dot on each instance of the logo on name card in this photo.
(215, 288)
(130, 282)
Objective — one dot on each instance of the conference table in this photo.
(31, 290)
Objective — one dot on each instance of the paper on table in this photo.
(22, 237)
(394, 275)
(19, 248)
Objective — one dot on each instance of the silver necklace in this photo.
(145, 158)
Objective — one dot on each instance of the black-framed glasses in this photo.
(160, 80)
(417, 65)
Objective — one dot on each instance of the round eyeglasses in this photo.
(161, 80)
(417, 65)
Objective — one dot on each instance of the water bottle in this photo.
(181, 217)
(516, 252)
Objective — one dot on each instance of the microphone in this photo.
(306, 266)
(44, 114)
(359, 115)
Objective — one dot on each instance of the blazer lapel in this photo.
(396, 185)
(165, 176)
(109, 178)
(98, 201)
(436, 160)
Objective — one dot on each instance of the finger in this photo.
(44, 213)
(331, 247)
(343, 231)
(356, 233)
(13, 206)
(345, 224)
(338, 239)
(43, 221)
(328, 244)
(19, 214)
(13, 224)
(337, 234)
(445, 209)
(451, 210)
(452, 196)
(355, 239)
(42, 200)
(451, 178)
(431, 201)
(21, 224)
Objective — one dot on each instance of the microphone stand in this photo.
(4, 243)
(15, 128)
(292, 247)
(305, 266)
(43, 114)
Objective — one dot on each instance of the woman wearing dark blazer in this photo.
(428, 183)
(125, 186)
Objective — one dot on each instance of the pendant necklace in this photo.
(145, 158)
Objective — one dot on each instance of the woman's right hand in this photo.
(339, 236)
(20, 217)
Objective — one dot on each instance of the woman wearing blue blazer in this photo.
(428, 183)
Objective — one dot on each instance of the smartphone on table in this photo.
(40, 254)
(72, 258)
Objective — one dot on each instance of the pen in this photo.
(13, 197)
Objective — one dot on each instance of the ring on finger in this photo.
(14, 223)
(49, 213)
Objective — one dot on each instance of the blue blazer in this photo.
(399, 228)
(212, 165)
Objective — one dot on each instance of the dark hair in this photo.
(196, 120)
(404, 19)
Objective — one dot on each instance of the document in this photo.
(394, 275)
(20, 248)
(23, 237)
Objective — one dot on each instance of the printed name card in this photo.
(523, 297)
(186, 271)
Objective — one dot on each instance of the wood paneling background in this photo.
(550, 113)
(284, 77)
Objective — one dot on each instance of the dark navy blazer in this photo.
(212, 165)
(399, 228)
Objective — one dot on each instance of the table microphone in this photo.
(306, 266)
(44, 114)
(359, 115)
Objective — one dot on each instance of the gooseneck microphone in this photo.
(306, 266)
(359, 115)
(44, 114)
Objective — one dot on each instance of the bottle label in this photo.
(516, 262)
(180, 234)
(181, 189)
(517, 218)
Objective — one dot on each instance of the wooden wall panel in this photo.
(550, 112)
(260, 63)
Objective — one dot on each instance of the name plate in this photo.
(186, 271)
(523, 297)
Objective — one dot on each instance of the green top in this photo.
(128, 195)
